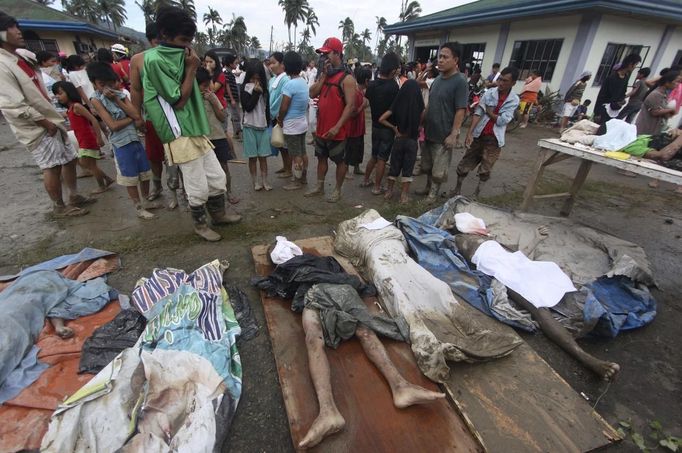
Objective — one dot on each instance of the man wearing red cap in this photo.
(336, 91)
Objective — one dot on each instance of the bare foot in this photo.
(173, 203)
(388, 195)
(411, 394)
(653, 184)
(64, 332)
(404, 198)
(606, 370)
(323, 426)
(232, 199)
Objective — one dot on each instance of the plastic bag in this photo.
(277, 137)
(467, 223)
(284, 250)
(618, 135)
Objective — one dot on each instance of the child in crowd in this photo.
(292, 118)
(406, 114)
(120, 116)
(216, 119)
(256, 105)
(581, 111)
(75, 66)
(485, 138)
(355, 142)
(278, 79)
(88, 133)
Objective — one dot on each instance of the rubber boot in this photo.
(200, 226)
(216, 209)
(318, 190)
(433, 193)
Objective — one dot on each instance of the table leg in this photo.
(534, 180)
(580, 178)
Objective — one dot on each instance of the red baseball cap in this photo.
(331, 45)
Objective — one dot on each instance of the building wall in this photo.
(487, 34)
(623, 30)
(563, 27)
(669, 53)
(65, 40)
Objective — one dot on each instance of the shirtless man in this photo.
(469, 243)
(329, 419)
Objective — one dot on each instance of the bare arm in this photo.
(216, 105)
(383, 119)
(85, 99)
(136, 82)
(192, 63)
(316, 87)
(451, 140)
(283, 109)
(112, 124)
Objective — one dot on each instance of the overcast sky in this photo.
(260, 15)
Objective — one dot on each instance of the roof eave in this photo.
(663, 11)
(52, 25)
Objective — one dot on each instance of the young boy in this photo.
(581, 111)
(115, 109)
(216, 119)
(174, 105)
(485, 138)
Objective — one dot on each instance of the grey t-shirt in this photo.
(445, 97)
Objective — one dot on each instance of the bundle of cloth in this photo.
(593, 282)
(177, 389)
(438, 325)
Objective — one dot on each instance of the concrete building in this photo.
(561, 38)
(45, 28)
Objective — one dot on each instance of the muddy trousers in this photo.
(203, 177)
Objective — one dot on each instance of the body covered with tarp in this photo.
(441, 327)
(177, 389)
(612, 275)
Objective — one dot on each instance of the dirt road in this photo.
(649, 385)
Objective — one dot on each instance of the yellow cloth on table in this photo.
(617, 155)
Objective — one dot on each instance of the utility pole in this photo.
(272, 27)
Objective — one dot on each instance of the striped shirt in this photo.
(232, 83)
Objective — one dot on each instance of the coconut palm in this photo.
(113, 12)
(408, 11)
(381, 24)
(255, 43)
(347, 28)
(295, 11)
(212, 17)
(187, 5)
(366, 37)
(85, 9)
(311, 21)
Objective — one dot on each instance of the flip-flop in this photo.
(70, 211)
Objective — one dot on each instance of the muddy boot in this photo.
(317, 190)
(216, 209)
(427, 189)
(200, 226)
(433, 193)
(304, 177)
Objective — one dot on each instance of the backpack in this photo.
(339, 86)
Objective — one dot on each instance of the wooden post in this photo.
(580, 178)
(534, 180)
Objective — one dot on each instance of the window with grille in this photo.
(615, 53)
(473, 54)
(36, 45)
(540, 55)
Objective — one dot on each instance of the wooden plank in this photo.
(373, 424)
(535, 177)
(578, 182)
(636, 165)
(519, 403)
(552, 195)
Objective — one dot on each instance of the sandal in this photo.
(69, 211)
(377, 191)
(80, 200)
(365, 184)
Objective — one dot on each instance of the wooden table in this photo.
(554, 150)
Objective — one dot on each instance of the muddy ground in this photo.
(649, 385)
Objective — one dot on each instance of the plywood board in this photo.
(373, 424)
(519, 403)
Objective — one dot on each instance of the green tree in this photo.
(295, 11)
(366, 37)
(381, 24)
(187, 5)
(85, 9)
(255, 44)
(347, 28)
(408, 10)
(212, 17)
(312, 21)
(200, 42)
(113, 12)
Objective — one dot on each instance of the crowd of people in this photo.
(169, 110)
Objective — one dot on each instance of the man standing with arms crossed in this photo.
(443, 119)
(336, 89)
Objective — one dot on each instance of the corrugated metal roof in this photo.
(490, 11)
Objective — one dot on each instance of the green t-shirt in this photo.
(163, 71)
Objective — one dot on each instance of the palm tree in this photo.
(366, 37)
(295, 11)
(148, 8)
(212, 17)
(381, 24)
(408, 11)
(311, 21)
(305, 40)
(86, 9)
(347, 28)
(255, 43)
(113, 12)
(201, 42)
(187, 5)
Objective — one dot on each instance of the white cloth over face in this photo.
(284, 250)
(619, 134)
(542, 283)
